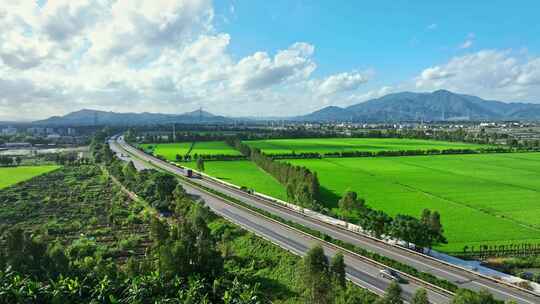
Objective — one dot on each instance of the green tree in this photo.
(165, 185)
(392, 294)
(159, 231)
(130, 172)
(377, 222)
(318, 287)
(436, 227)
(337, 269)
(58, 261)
(200, 164)
(348, 201)
(420, 297)
(464, 296)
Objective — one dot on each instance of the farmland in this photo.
(170, 150)
(243, 173)
(331, 145)
(470, 191)
(90, 229)
(76, 204)
(12, 175)
(483, 199)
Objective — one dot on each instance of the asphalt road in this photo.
(358, 271)
(462, 278)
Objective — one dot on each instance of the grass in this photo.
(483, 199)
(13, 175)
(243, 173)
(169, 150)
(328, 145)
(275, 269)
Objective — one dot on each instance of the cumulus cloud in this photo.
(142, 55)
(259, 71)
(137, 30)
(65, 19)
(488, 73)
(341, 82)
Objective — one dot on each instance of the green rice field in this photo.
(483, 199)
(243, 173)
(329, 145)
(13, 175)
(169, 150)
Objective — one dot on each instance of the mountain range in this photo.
(441, 105)
(88, 117)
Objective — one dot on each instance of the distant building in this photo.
(17, 145)
(36, 131)
(9, 131)
(71, 132)
(53, 136)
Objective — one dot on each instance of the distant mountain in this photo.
(93, 117)
(435, 106)
(404, 106)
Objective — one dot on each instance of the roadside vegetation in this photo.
(102, 232)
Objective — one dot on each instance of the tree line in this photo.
(302, 185)
(10, 161)
(502, 250)
(308, 155)
(423, 232)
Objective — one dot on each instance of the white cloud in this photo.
(494, 74)
(137, 30)
(341, 82)
(435, 73)
(143, 55)
(259, 71)
(467, 44)
(469, 41)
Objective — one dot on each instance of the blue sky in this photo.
(396, 38)
(258, 58)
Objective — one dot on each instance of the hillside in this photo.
(93, 117)
(435, 106)
(405, 106)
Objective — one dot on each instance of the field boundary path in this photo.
(464, 278)
(191, 148)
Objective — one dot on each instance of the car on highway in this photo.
(389, 274)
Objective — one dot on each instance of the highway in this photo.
(359, 270)
(365, 275)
